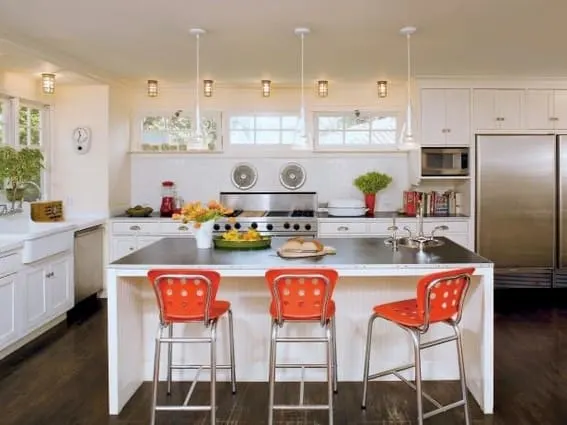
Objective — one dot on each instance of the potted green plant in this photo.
(18, 166)
(370, 184)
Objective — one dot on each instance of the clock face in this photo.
(81, 134)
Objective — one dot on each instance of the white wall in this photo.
(202, 176)
(81, 181)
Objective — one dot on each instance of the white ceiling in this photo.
(351, 40)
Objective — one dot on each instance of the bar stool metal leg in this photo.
(330, 366)
(272, 372)
(169, 357)
(335, 368)
(231, 343)
(156, 375)
(368, 349)
(462, 373)
(213, 372)
(415, 337)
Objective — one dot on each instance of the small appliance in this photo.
(444, 161)
(167, 199)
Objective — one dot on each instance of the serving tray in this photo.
(221, 243)
(328, 250)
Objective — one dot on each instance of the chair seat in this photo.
(402, 312)
(217, 309)
(329, 314)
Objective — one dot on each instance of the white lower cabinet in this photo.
(11, 297)
(124, 245)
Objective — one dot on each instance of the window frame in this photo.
(317, 147)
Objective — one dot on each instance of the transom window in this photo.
(355, 129)
(175, 132)
(263, 129)
(29, 126)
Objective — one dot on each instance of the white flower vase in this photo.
(204, 235)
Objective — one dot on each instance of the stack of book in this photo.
(432, 203)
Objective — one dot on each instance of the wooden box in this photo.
(47, 211)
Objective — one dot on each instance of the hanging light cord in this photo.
(302, 80)
(197, 103)
(409, 132)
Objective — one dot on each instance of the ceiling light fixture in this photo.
(197, 131)
(323, 88)
(48, 83)
(409, 141)
(266, 88)
(382, 88)
(208, 88)
(152, 88)
(301, 130)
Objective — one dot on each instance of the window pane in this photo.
(35, 119)
(268, 123)
(153, 124)
(23, 126)
(2, 138)
(330, 123)
(35, 136)
(384, 137)
(357, 138)
(2, 111)
(241, 123)
(289, 123)
(267, 137)
(357, 123)
(384, 123)
(175, 124)
(289, 137)
(331, 138)
(239, 137)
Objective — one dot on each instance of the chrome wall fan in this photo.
(244, 176)
(292, 176)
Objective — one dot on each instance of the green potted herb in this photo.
(370, 184)
(18, 166)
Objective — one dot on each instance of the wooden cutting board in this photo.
(328, 250)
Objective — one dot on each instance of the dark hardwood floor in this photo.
(62, 380)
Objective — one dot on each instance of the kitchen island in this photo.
(370, 273)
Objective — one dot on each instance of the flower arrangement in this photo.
(197, 213)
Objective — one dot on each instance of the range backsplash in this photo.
(202, 177)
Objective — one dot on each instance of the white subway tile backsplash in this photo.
(202, 177)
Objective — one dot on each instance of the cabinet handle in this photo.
(131, 248)
(183, 228)
(341, 228)
(448, 130)
(48, 275)
(134, 227)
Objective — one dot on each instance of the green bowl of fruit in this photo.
(139, 211)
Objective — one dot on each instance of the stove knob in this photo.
(227, 227)
(286, 225)
(307, 227)
(237, 225)
(270, 227)
(254, 225)
(296, 227)
(216, 227)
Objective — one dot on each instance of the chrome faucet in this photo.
(419, 216)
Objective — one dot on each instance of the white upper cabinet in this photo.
(445, 117)
(498, 109)
(546, 109)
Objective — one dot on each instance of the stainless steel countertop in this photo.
(350, 252)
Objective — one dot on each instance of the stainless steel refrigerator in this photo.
(521, 208)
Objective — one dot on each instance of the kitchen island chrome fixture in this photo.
(270, 213)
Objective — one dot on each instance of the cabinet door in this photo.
(485, 116)
(433, 125)
(10, 310)
(539, 110)
(60, 288)
(560, 109)
(122, 246)
(457, 117)
(36, 301)
(509, 105)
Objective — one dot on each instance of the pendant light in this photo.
(197, 131)
(301, 134)
(409, 139)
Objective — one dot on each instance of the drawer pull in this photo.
(183, 228)
(342, 228)
(131, 248)
(134, 227)
(48, 275)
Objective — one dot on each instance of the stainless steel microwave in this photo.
(444, 161)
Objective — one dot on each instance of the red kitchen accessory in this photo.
(167, 199)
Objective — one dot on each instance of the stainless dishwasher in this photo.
(89, 265)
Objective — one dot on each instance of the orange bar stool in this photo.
(440, 298)
(186, 296)
(303, 295)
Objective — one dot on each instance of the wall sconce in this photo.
(323, 88)
(382, 88)
(266, 88)
(48, 83)
(208, 88)
(152, 88)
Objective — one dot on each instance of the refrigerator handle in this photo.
(558, 213)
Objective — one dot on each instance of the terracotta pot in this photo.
(370, 201)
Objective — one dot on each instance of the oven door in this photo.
(444, 162)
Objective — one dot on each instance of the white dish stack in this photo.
(346, 208)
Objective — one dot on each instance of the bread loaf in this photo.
(312, 245)
(301, 245)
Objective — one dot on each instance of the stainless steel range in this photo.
(270, 213)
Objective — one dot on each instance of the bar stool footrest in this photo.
(195, 366)
(301, 407)
(197, 408)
